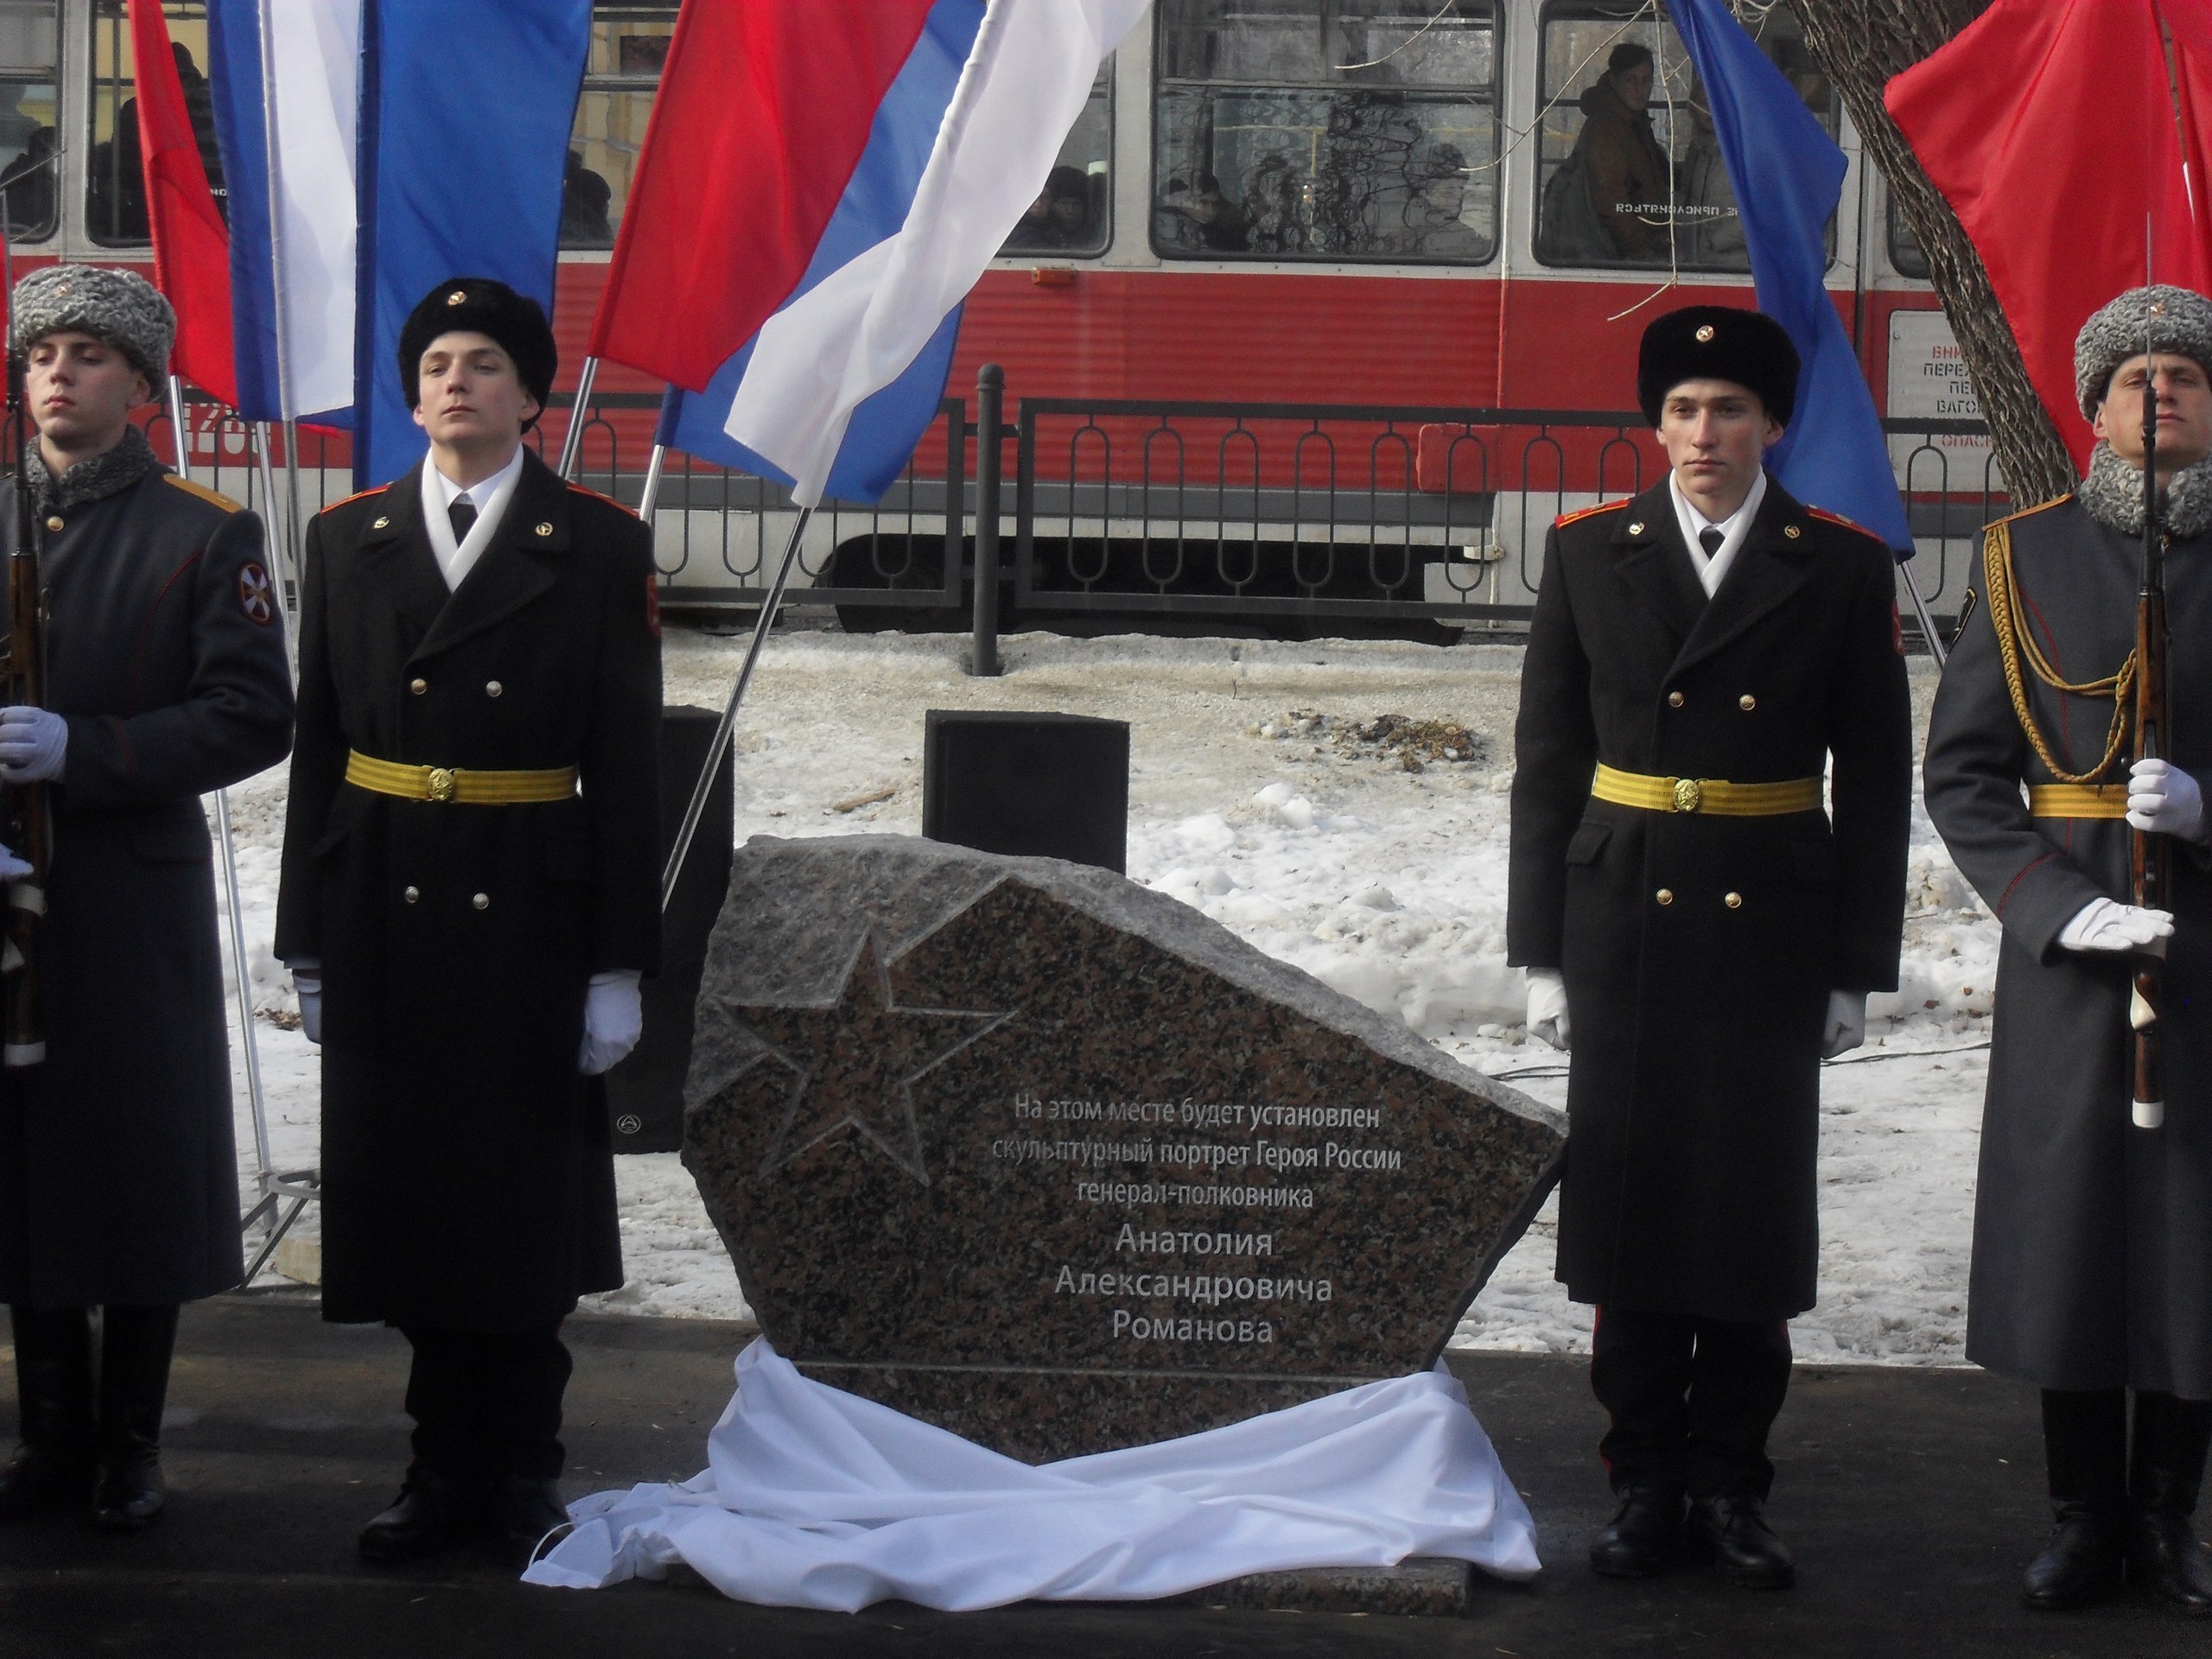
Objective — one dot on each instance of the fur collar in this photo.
(2112, 495)
(105, 474)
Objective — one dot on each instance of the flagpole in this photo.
(240, 981)
(696, 809)
(650, 497)
(280, 527)
(1927, 620)
(572, 445)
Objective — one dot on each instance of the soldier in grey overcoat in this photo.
(471, 890)
(1699, 658)
(166, 678)
(2093, 1238)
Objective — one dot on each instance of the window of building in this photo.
(629, 49)
(1335, 129)
(115, 185)
(30, 38)
(1074, 213)
(1629, 171)
(1907, 257)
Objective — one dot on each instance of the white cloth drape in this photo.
(814, 1497)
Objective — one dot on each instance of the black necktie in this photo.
(1708, 539)
(462, 513)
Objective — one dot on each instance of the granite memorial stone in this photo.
(1024, 1149)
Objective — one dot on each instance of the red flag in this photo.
(192, 247)
(2056, 133)
(763, 111)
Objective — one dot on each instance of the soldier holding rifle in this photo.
(2092, 1234)
(164, 678)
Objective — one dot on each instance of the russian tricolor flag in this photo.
(373, 148)
(862, 162)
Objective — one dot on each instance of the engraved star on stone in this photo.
(855, 1063)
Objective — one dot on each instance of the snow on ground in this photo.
(1254, 797)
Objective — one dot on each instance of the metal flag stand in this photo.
(572, 445)
(1928, 628)
(274, 1188)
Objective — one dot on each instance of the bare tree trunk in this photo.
(1861, 44)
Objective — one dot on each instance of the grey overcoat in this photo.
(118, 1177)
(2092, 1239)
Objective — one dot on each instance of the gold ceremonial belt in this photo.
(2077, 800)
(443, 784)
(1713, 796)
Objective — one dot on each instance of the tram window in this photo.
(1629, 168)
(1074, 213)
(30, 32)
(629, 49)
(1334, 129)
(115, 185)
(1907, 257)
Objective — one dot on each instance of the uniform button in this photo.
(545, 529)
(482, 901)
(1673, 699)
(492, 687)
(1733, 900)
(1747, 703)
(411, 894)
(418, 687)
(1665, 895)
(55, 523)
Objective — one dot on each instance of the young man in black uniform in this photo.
(470, 893)
(166, 679)
(1705, 933)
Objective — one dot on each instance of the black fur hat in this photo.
(477, 305)
(1716, 342)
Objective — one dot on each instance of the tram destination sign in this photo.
(1025, 1149)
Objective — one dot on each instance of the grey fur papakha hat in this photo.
(2180, 322)
(119, 307)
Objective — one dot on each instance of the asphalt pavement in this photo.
(1911, 1498)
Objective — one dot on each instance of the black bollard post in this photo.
(990, 401)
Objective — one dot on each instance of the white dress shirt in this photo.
(1736, 526)
(489, 496)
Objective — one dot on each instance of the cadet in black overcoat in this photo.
(1708, 940)
(2093, 1238)
(470, 938)
(166, 678)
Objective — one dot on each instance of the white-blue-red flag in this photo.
(903, 138)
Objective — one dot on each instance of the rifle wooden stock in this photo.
(26, 813)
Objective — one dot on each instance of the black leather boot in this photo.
(1734, 1532)
(52, 1467)
(135, 1345)
(527, 1512)
(2164, 1476)
(1645, 1537)
(432, 1511)
(2085, 1446)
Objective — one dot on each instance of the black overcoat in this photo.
(118, 1175)
(2092, 1239)
(468, 1181)
(1694, 1085)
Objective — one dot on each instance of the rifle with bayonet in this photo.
(26, 812)
(2147, 850)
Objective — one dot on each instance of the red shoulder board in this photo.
(1837, 519)
(356, 496)
(1567, 518)
(597, 496)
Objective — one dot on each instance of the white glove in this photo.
(308, 989)
(1547, 1007)
(2102, 925)
(2163, 797)
(11, 867)
(614, 1018)
(1845, 1026)
(31, 742)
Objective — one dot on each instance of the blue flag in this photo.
(465, 117)
(1788, 176)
